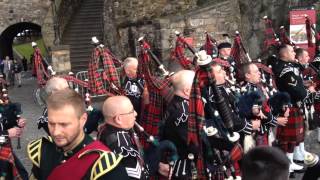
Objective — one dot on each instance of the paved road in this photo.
(31, 112)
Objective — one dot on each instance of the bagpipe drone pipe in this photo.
(216, 143)
(196, 133)
(154, 154)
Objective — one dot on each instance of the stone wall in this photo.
(216, 18)
(65, 11)
(127, 20)
(149, 9)
(15, 11)
(252, 24)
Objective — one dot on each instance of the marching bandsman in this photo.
(220, 140)
(68, 153)
(119, 136)
(53, 85)
(133, 85)
(11, 126)
(57, 83)
(289, 79)
(240, 125)
(224, 54)
(175, 126)
(311, 77)
(253, 84)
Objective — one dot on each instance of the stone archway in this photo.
(7, 36)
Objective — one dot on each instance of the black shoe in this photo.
(298, 161)
(292, 175)
(19, 85)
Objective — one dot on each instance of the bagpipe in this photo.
(146, 47)
(10, 113)
(109, 74)
(239, 52)
(210, 47)
(153, 154)
(196, 133)
(178, 52)
(155, 84)
(311, 32)
(271, 39)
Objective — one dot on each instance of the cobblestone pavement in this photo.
(31, 112)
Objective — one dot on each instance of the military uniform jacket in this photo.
(176, 130)
(271, 120)
(46, 156)
(120, 141)
(289, 79)
(213, 118)
(134, 89)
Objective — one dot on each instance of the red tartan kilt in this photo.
(293, 132)
(317, 107)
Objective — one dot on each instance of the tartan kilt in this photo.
(293, 133)
(7, 164)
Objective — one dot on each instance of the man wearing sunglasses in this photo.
(117, 133)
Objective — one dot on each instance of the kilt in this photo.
(293, 133)
(7, 162)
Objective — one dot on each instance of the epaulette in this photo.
(34, 150)
(286, 70)
(106, 162)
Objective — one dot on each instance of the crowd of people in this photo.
(12, 70)
(222, 120)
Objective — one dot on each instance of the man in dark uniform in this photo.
(288, 79)
(56, 84)
(118, 135)
(220, 141)
(69, 153)
(11, 126)
(133, 85)
(252, 77)
(53, 85)
(224, 52)
(176, 124)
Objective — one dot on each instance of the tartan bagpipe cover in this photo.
(197, 116)
(178, 54)
(96, 79)
(208, 45)
(283, 36)
(270, 36)
(6, 155)
(293, 133)
(39, 68)
(158, 90)
(237, 52)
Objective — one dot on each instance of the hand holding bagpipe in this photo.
(204, 61)
(192, 50)
(146, 47)
(153, 154)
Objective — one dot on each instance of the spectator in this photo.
(7, 67)
(265, 163)
(17, 68)
(25, 63)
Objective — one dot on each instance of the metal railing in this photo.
(83, 75)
